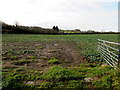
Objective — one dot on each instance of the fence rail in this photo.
(110, 52)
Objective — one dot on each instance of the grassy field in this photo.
(56, 61)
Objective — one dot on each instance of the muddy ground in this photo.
(40, 53)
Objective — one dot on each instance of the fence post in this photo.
(119, 59)
(110, 57)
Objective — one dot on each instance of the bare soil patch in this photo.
(41, 52)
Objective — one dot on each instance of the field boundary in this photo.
(110, 52)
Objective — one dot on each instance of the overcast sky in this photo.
(99, 15)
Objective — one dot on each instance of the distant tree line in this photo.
(17, 29)
(78, 31)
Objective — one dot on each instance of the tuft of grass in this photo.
(105, 82)
(13, 57)
(4, 58)
(27, 51)
(19, 69)
(75, 84)
(10, 52)
(53, 51)
(24, 61)
(88, 65)
(45, 58)
(67, 84)
(13, 82)
(99, 71)
(59, 73)
(40, 47)
(53, 60)
(31, 57)
(46, 85)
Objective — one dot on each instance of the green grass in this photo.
(58, 76)
(85, 43)
(110, 80)
(79, 38)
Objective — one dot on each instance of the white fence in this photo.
(110, 52)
